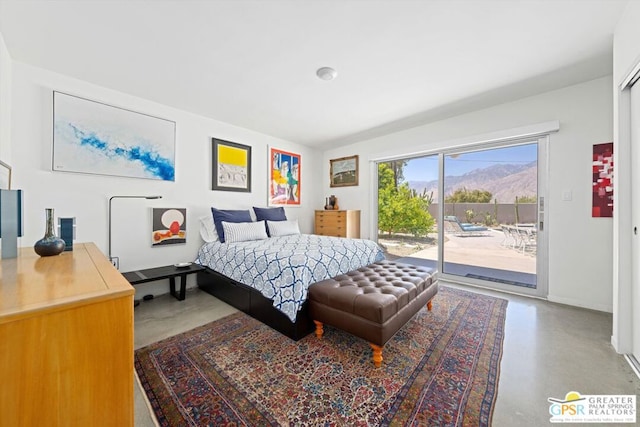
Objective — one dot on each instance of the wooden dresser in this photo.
(66, 340)
(338, 223)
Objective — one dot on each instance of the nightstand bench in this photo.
(166, 272)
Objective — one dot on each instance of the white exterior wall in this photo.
(86, 196)
(580, 247)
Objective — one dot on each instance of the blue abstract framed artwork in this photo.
(96, 138)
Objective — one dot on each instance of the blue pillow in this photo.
(220, 215)
(270, 214)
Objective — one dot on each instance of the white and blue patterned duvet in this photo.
(282, 268)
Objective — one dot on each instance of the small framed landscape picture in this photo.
(344, 171)
(169, 226)
(5, 176)
(231, 166)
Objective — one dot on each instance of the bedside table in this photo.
(165, 272)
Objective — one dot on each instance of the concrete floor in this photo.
(549, 350)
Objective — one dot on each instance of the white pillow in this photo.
(208, 229)
(243, 231)
(283, 228)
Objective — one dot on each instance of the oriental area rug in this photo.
(441, 368)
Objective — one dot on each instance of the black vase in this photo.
(50, 244)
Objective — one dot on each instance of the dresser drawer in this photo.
(330, 221)
(337, 223)
(331, 230)
(331, 216)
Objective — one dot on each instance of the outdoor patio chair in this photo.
(511, 238)
(527, 239)
(453, 226)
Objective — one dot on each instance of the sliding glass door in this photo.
(490, 221)
(482, 219)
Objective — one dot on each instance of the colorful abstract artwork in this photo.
(169, 226)
(284, 178)
(231, 166)
(91, 137)
(602, 168)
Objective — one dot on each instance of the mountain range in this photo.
(504, 181)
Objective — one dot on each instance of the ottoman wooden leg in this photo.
(377, 354)
(319, 329)
(429, 305)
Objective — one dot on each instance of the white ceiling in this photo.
(252, 63)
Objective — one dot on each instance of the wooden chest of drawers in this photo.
(66, 340)
(338, 223)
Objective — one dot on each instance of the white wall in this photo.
(86, 196)
(626, 54)
(5, 103)
(580, 247)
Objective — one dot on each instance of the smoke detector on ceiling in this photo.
(326, 73)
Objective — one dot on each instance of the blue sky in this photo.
(426, 168)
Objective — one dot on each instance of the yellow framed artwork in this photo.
(231, 166)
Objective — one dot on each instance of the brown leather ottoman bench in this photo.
(372, 302)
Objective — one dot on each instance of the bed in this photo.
(269, 278)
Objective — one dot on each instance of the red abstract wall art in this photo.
(602, 168)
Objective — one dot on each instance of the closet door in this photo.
(635, 216)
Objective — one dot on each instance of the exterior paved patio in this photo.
(483, 251)
(489, 257)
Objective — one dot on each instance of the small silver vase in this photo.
(50, 244)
